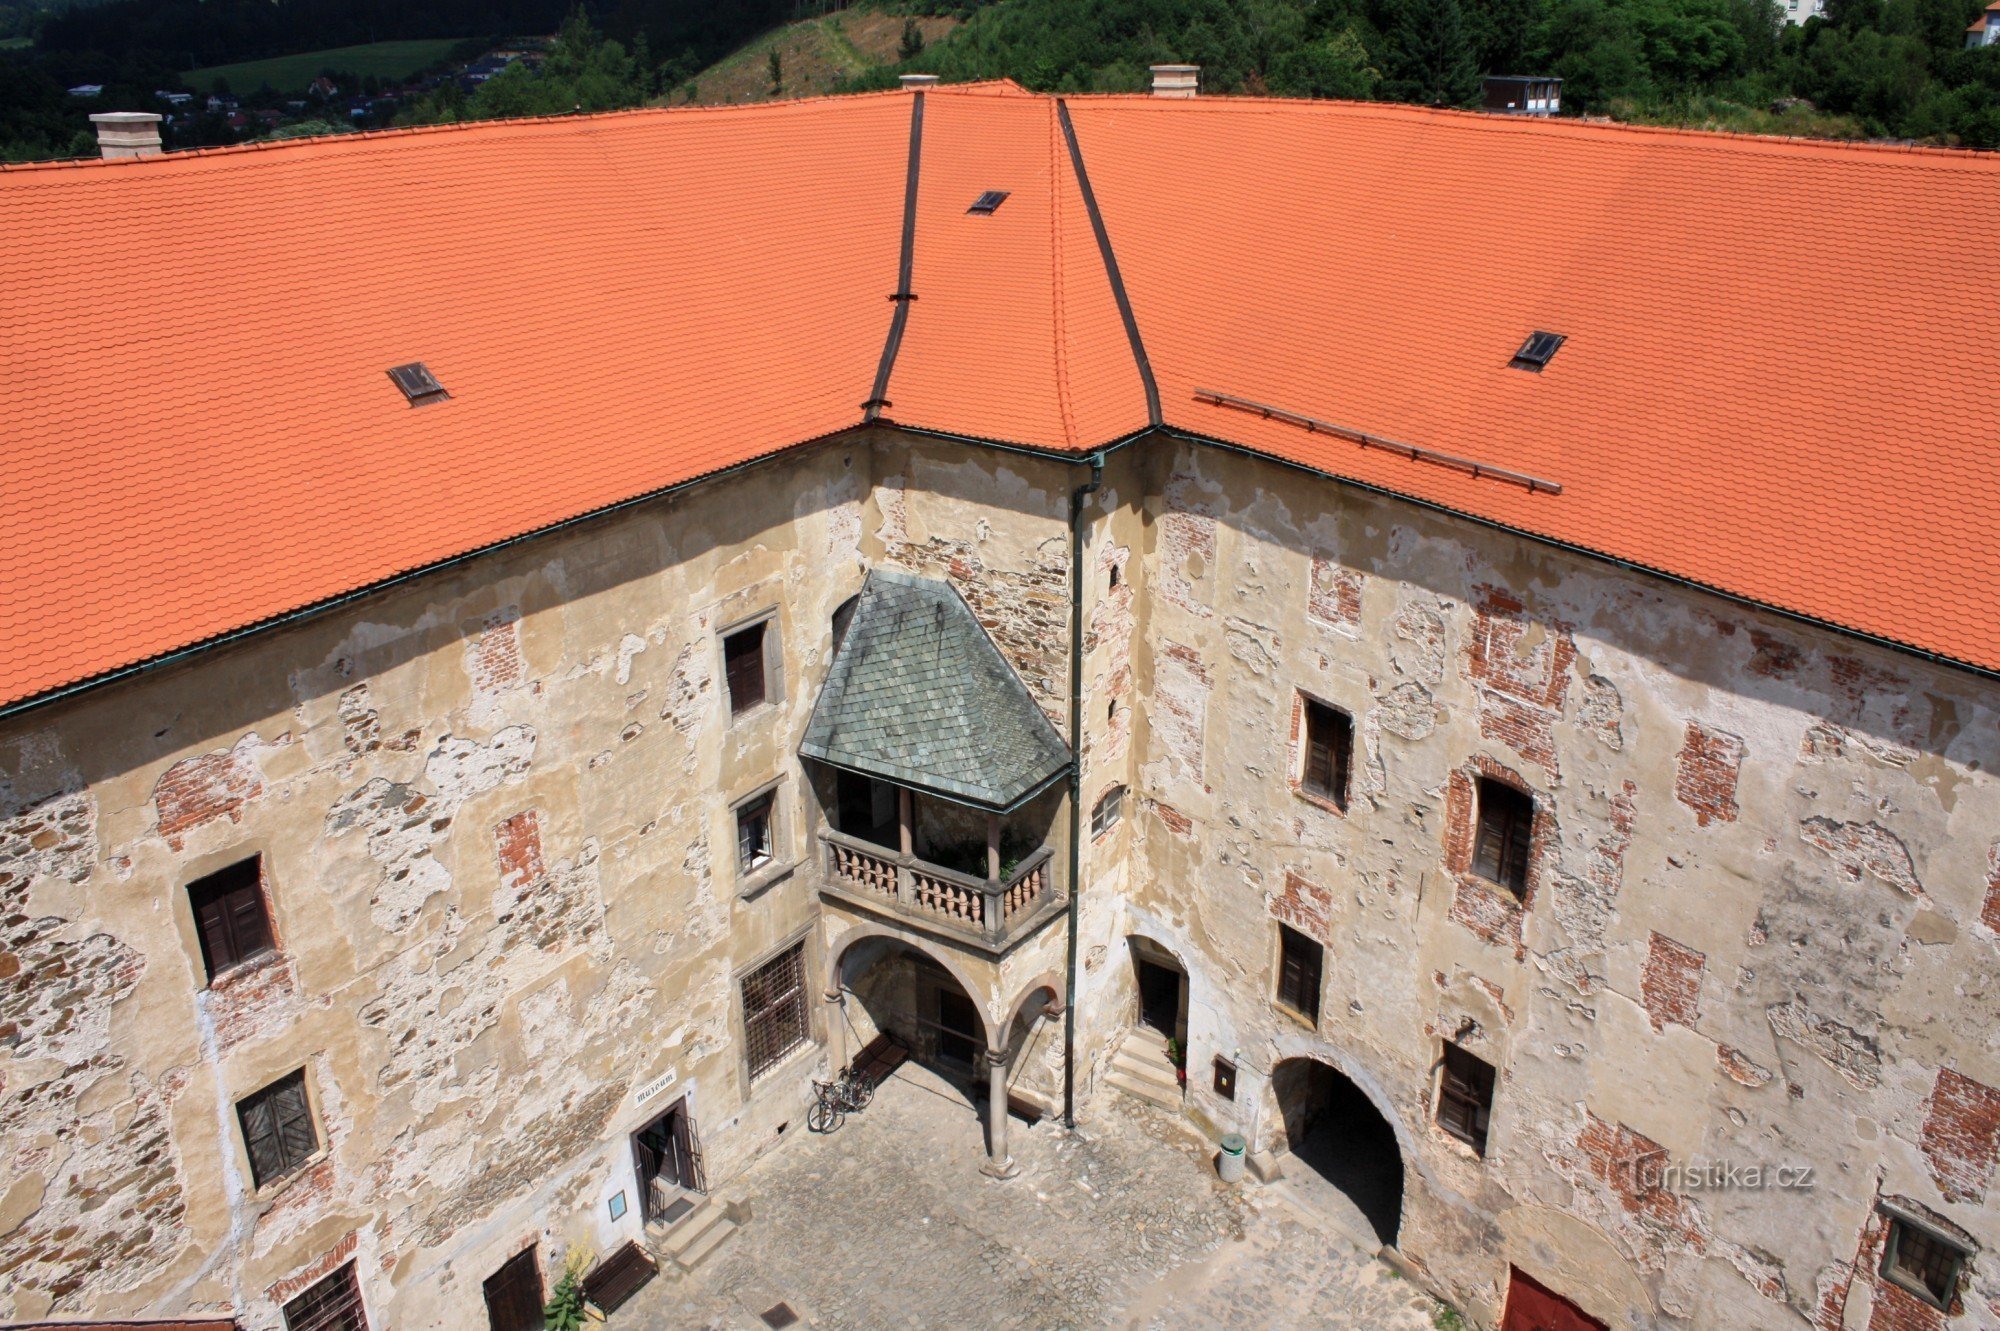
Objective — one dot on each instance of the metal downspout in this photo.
(1077, 501)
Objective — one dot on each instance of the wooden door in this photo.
(957, 1027)
(514, 1294)
(1533, 1306)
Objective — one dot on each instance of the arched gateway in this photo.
(1348, 1156)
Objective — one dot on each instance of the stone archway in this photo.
(1344, 1155)
(903, 990)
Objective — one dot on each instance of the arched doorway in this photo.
(901, 991)
(1342, 1149)
(1162, 986)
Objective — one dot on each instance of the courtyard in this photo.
(889, 1223)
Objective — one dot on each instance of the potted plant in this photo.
(1177, 1055)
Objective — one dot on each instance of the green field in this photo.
(291, 73)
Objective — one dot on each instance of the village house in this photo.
(529, 642)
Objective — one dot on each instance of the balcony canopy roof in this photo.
(919, 695)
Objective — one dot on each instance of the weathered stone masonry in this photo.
(1759, 924)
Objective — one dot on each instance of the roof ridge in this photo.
(1547, 125)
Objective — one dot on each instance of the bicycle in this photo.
(833, 1101)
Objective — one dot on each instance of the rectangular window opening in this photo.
(1299, 960)
(1465, 1096)
(1110, 809)
(1504, 840)
(744, 668)
(333, 1304)
(419, 385)
(775, 1019)
(988, 203)
(231, 916)
(277, 1128)
(1329, 753)
(753, 832)
(1537, 351)
(1925, 1264)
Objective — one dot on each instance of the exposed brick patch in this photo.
(1527, 730)
(198, 791)
(518, 841)
(1306, 906)
(1773, 657)
(1670, 983)
(1856, 1057)
(1763, 1270)
(314, 1271)
(1603, 712)
(1892, 1308)
(252, 1000)
(360, 727)
(1334, 597)
(493, 658)
(1739, 1067)
(1490, 913)
(1187, 555)
(1859, 849)
(52, 837)
(1622, 1168)
(1706, 773)
(1171, 818)
(1525, 659)
(1961, 1136)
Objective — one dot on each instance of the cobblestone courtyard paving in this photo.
(889, 1223)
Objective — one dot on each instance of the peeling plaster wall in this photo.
(493, 809)
(1760, 926)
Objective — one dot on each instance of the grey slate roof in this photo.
(919, 695)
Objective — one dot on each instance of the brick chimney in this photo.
(1176, 80)
(918, 80)
(127, 133)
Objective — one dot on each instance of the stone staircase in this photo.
(1142, 1070)
(693, 1237)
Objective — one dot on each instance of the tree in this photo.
(1431, 56)
(1334, 66)
(912, 44)
(777, 66)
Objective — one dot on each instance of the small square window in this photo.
(1506, 829)
(1329, 753)
(231, 915)
(1924, 1263)
(753, 832)
(1109, 811)
(1465, 1097)
(333, 1304)
(277, 1128)
(743, 666)
(1299, 961)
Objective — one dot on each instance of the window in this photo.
(1506, 827)
(1110, 808)
(419, 385)
(774, 1009)
(1465, 1097)
(1537, 351)
(333, 1304)
(230, 915)
(743, 665)
(277, 1128)
(1329, 752)
(753, 832)
(1298, 973)
(988, 203)
(1921, 1262)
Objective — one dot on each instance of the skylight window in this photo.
(1537, 351)
(419, 385)
(988, 203)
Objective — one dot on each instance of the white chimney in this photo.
(1176, 80)
(918, 80)
(127, 133)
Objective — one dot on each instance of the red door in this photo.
(1533, 1306)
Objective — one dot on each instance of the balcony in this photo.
(991, 914)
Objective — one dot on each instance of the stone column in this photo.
(999, 1161)
(836, 1028)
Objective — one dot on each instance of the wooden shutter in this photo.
(1465, 1097)
(1298, 973)
(260, 1136)
(278, 1129)
(293, 1116)
(1329, 752)
(1506, 829)
(743, 663)
(230, 915)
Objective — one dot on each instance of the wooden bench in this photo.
(880, 1057)
(619, 1276)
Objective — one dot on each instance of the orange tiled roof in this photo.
(1777, 380)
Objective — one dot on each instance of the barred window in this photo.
(1506, 827)
(1298, 973)
(1465, 1097)
(1329, 752)
(1110, 808)
(333, 1304)
(1921, 1262)
(775, 1020)
(277, 1128)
